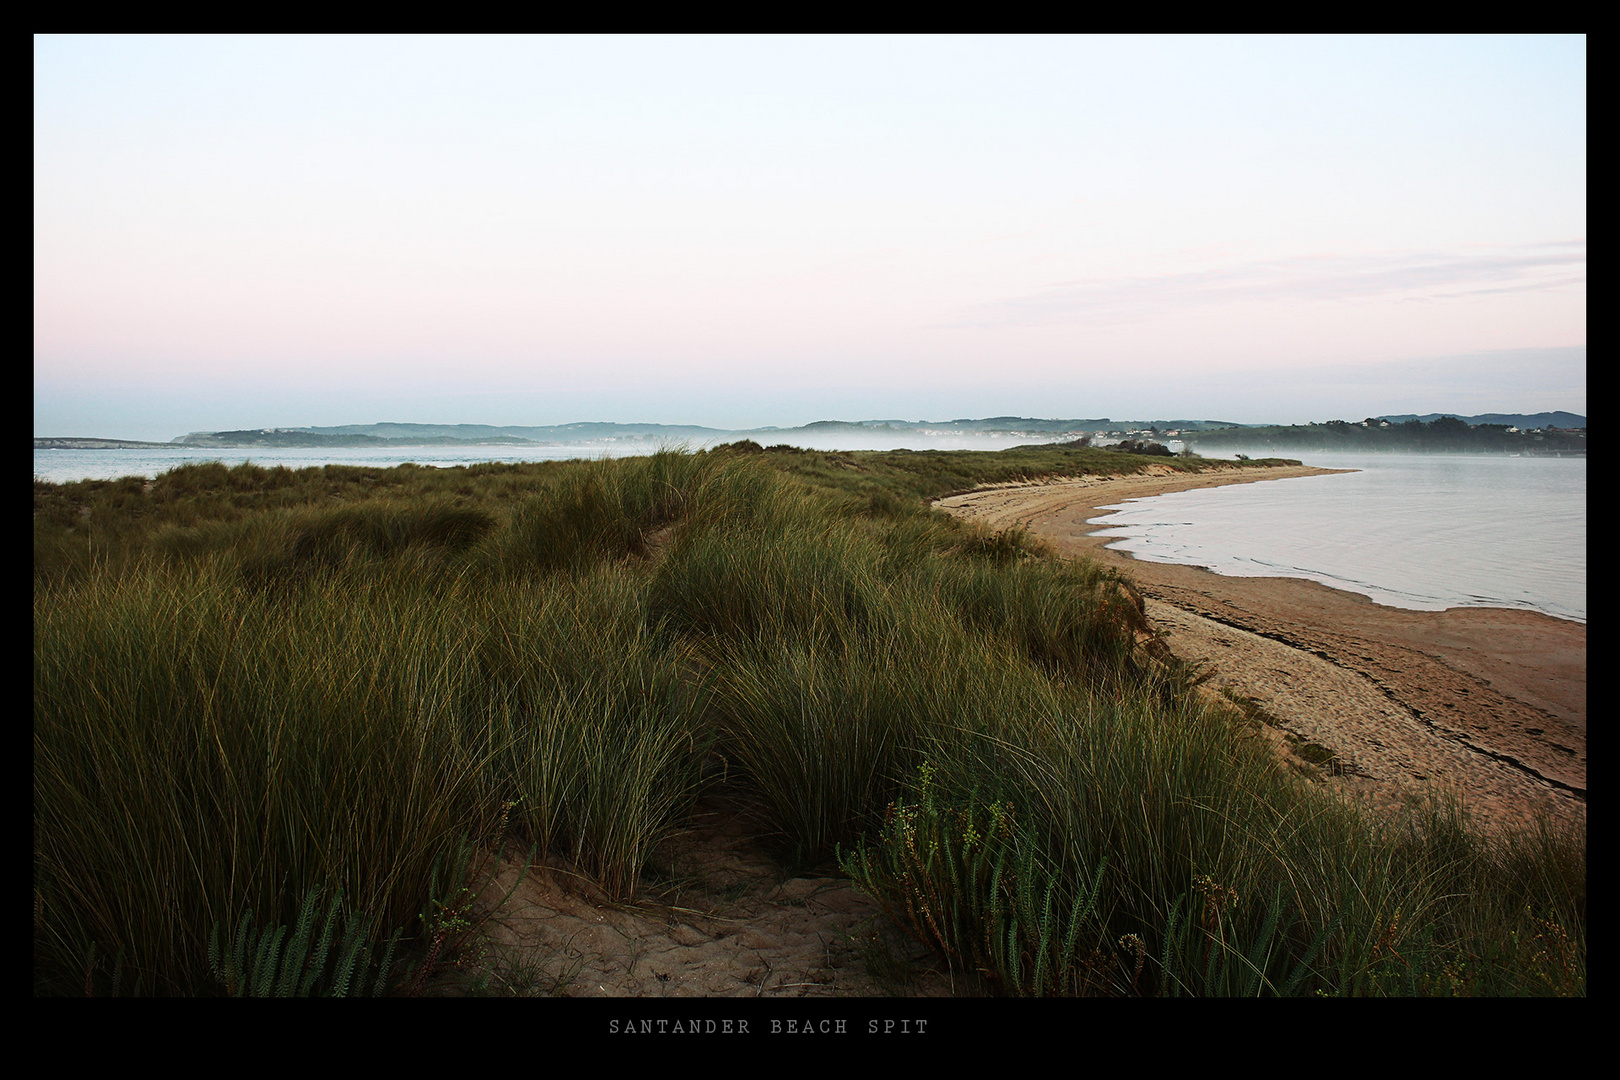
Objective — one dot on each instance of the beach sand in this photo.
(1488, 702)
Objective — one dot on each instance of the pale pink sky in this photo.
(743, 231)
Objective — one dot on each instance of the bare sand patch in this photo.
(720, 919)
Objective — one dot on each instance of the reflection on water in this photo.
(1424, 531)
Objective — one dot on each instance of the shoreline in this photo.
(1490, 702)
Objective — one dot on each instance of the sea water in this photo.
(1421, 531)
(67, 466)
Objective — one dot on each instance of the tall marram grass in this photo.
(200, 750)
(595, 719)
(611, 509)
(253, 687)
(202, 747)
(1199, 867)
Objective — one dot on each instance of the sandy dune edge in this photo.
(1489, 702)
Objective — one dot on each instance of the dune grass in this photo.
(254, 687)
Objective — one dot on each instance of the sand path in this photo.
(1487, 701)
(719, 918)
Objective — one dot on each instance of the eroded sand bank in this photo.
(1488, 701)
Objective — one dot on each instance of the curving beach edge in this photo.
(1487, 702)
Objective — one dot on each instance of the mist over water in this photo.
(1421, 531)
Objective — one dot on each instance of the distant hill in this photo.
(1009, 425)
(401, 434)
(310, 438)
(1524, 421)
(578, 432)
(589, 432)
(477, 434)
(1444, 434)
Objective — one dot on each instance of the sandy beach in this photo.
(1488, 702)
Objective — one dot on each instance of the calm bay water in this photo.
(66, 466)
(1423, 531)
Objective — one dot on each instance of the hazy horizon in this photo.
(1132, 418)
(742, 232)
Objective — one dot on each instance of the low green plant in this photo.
(1216, 945)
(972, 881)
(337, 960)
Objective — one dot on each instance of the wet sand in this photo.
(1488, 702)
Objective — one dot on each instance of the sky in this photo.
(736, 232)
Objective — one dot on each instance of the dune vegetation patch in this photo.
(280, 707)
